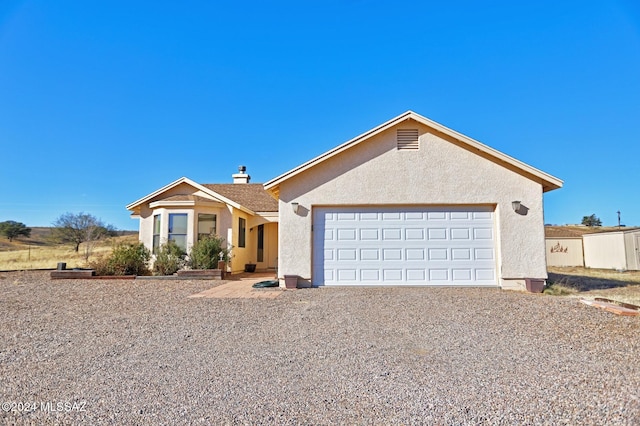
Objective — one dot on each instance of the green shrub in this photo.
(170, 258)
(100, 265)
(125, 259)
(205, 253)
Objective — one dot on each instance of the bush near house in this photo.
(125, 259)
(170, 258)
(206, 253)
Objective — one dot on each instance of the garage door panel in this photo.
(392, 254)
(459, 215)
(437, 233)
(461, 274)
(370, 275)
(416, 275)
(369, 255)
(414, 234)
(435, 254)
(483, 254)
(483, 234)
(439, 275)
(460, 254)
(347, 234)
(369, 234)
(460, 234)
(392, 275)
(410, 245)
(392, 234)
(415, 254)
(347, 254)
(346, 217)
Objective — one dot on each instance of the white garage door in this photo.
(404, 246)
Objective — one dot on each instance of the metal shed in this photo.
(613, 250)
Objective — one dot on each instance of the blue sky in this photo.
(102, 103)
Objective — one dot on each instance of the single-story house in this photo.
(564, 245)
(242, 213)
(619, 249)
(412, 202)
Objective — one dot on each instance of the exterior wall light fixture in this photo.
(516, 206)
(295, 207)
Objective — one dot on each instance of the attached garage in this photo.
(411, 245)
(412, 202)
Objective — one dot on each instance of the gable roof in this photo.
(250, 198)
(250, 195)
(547, 181)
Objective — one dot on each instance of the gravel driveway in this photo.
(142, 352)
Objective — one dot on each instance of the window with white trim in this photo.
(156, 233)
(178, 229)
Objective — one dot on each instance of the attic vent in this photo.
(408, 139)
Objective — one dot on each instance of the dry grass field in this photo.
(38, 252)
(591, 283)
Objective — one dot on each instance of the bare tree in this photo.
(80, 228)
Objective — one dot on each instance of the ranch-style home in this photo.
(242, 213)
(409, 202)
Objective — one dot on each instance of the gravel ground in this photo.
(141, 352)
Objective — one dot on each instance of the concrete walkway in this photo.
(241, 289)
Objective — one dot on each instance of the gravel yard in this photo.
(142, 352)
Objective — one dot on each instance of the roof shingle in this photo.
(250, 195)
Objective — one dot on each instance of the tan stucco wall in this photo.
(439, 173)
(565, 252)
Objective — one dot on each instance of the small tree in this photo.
(12, 229)
(591, 221)
(80, 228)
(205, 253)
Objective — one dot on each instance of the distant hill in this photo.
(40, 237)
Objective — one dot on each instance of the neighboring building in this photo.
(242, 213)
(412, 202)
(564, 245)
(619, 249)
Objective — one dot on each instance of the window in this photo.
(206, 225)
(178, 229)
(260, 254)
(242, 232)
(156, 233)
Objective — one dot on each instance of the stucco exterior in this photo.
(443, 171)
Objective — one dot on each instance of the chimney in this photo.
(242, 176)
